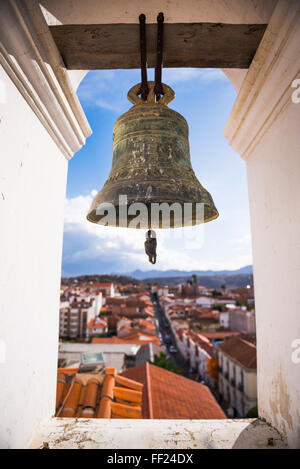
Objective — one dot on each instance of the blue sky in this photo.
(205, 98)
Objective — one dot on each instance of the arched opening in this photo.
(263, 128)
(205, 98)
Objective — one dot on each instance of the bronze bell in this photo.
(151, 164)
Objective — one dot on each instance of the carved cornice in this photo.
(266, 89)
(29, 56)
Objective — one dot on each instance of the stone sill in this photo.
(67, 433)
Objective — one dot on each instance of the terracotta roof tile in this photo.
(220, 335)
(107, 394)
(136, 338)
(125, 412)
(127, 395)
(95, 323)
(72, 399)
(107, 340)
(61, 382)
(143, 338)
(129, 383)
(202, 342)
(88, 395)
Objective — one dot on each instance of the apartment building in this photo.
(237, 375)
(199, 352)
(73, 318)
(242, 320)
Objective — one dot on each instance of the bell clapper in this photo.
(150, 246)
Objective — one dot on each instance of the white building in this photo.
(107, 288)
(73, 319)
(205, 301)
(242, 320)
(224, 319)
(198, 351)
(237, 375)
(96, 326)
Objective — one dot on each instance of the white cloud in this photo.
(107, 105)
(207, 75)
(124, 248)
(243, 243)
(245, 239)
(98, 89)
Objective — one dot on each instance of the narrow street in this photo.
(167, 337)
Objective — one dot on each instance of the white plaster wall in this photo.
(202, 364)
(274, 192)
(32, 190)
(66, 433)
(250, 384)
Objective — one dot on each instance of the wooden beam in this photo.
(116, 46)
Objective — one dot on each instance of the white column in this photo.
(264, 128)
(30, 57)
(41, 126)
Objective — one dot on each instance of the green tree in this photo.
(252, 413)
(162, 361)
(216, 307)
(104, 334)
(216, 293)
(104, 313)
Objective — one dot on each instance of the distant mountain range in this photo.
(161, 274)
(210, 281)
(207, 278)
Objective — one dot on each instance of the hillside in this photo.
(211, 281)
(105, 278)
(141, 274)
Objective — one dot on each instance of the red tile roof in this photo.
(99, 395)
(135, 338)
(108, 340)
(96, 323)
(202, 341)
(126, 326)
(167, 395)
(198, 338)
(147, 324)
(180, 333)
(220, 335)
(142, 338)
(242, 350)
